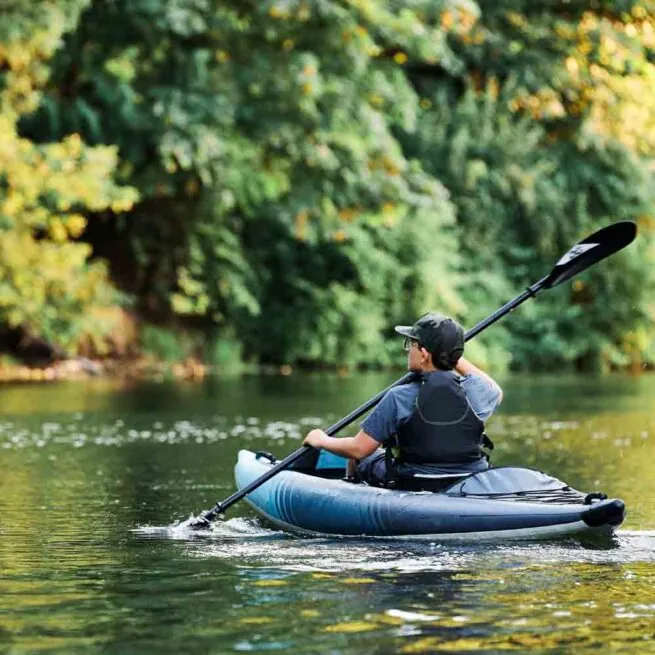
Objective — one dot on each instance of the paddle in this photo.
(598, 246)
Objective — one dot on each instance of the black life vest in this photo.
(443, 428)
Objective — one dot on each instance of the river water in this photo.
(93, 472)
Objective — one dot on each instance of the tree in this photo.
(261, 135)
(528, 142)
(49, 288)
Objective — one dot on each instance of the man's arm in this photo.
(464, 367)
(376, 429)
(357, 447)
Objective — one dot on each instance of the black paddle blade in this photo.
(599, 245)
(204, 520)
(198, 523)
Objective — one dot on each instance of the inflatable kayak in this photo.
(500, 503)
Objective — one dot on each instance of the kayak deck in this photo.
(496, 505)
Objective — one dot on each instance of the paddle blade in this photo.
(594, 248)
(204, 520)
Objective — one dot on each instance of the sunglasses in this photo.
(409, 343)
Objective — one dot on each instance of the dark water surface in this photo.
(89, 470)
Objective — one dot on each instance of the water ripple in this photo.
(79, 433)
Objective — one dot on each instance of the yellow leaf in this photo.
(76, 225)
(58, 232)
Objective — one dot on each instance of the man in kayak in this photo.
(430, 428)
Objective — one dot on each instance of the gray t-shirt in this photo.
(398, 404)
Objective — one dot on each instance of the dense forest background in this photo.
(282, 181)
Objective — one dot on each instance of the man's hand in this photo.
(356, 447)
(315, 438)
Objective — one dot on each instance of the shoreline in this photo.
(82, 368)
(188, 370)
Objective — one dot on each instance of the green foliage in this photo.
(225, 352)
(7, 361)
(312, 172)
(535, 161)
(48, 286)
(272, 125)
(165, 344)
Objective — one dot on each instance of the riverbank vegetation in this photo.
(279, 183)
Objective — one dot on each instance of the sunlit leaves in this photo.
(270, 582)
(48, 288)
(347, 627)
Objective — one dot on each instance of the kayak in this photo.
(500, 503)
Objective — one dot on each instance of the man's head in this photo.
(439, 335)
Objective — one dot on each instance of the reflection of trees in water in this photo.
(490, 605)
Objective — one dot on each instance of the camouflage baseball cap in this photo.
(440, 335)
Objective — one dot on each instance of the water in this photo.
(92, 473)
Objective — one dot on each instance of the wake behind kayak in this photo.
(500, 503)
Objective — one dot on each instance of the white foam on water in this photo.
(250, 544)
(636, 533)
(339, 554)
(411, 616)
(236, 528)
(323, 555)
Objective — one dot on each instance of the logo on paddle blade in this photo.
(576, 251)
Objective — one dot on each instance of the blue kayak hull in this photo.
(307, 504)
